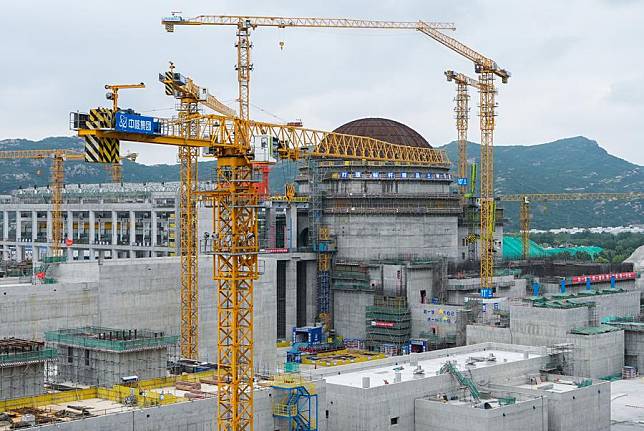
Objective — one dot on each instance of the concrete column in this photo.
(132, 227)
(272, 229)
(19, 253)
(70, 234)
(5, 225)
(34, 226)
(115, 220)
(292, 215)
(291, 295)
(18, 226)
(50, 226)
(153, 221)
(70, 224)
(92, 228)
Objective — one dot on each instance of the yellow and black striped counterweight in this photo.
(101, 150)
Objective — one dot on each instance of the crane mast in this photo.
(190, 96)
(462, 119)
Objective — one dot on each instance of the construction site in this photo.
(373, 293)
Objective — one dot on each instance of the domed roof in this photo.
(385, 130)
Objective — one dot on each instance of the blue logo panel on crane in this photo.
(133, 123)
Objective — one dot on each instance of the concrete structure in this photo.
(141, 293)
(595, 350)
(104, 221)
(22, 367)
(105, 357)
(633, 343)
(390, 393)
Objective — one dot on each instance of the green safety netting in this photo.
(513, 249)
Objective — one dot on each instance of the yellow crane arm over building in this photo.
(526, 198)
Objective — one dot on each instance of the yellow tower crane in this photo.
(462, 110)
(486, 68)
(526, 198)
(190, 95)
(116, 168)
(230, 406)
(57, 183)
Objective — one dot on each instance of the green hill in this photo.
(567, 165)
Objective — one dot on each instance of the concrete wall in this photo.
(372, 409)
(141, 293)
(437, 416)
(377, 236)
(540, 326)
(21, 380)
(196, 415)
(106, 368)
(597, 355)
(587, 408)
(634, 349)
(442, 320)
(482, 334)
(349, 312)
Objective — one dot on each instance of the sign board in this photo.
(461, 181)
(69, 242)
(486, 293)
(598, 278)
(133, 123)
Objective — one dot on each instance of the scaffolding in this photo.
(320, 240)
(22, 367)
(104, 357)
(388, 324)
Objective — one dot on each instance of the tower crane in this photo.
(190, 95)
(229, 407)
(525, 199)
(462, 110)
(116, 168)
(486, 68)
(57, 183)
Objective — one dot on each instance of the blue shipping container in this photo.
(133, 123)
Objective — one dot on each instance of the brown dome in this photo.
(384, 130)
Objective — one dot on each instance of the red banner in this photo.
(380, 324)
(601, 278)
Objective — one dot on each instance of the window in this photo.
(70, 355)
(87, 357)
(394, 421)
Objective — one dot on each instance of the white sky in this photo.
(577, 65)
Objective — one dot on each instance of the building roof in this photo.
(431, 362)
(384, 130)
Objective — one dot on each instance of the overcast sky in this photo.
(577, 65)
